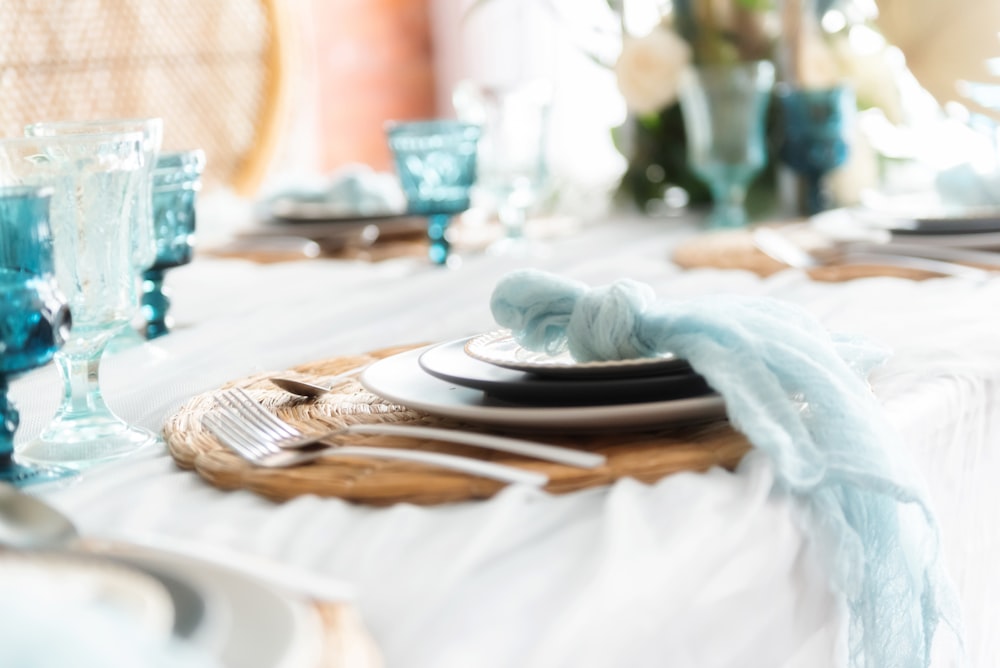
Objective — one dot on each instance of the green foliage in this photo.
(756, 5)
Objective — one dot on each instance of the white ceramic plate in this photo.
(242, 621)
(401, 380)
(501, 349)
(84, 580)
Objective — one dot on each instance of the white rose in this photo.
(649, 68)
(875, 78)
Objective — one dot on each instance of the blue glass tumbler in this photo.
(34, 315)
(176, 182)
(436, 165)
(815, 134)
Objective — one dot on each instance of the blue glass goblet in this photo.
(816, 124)
(34, 315)
(176, 182)
(95, 178)
(725, 110)
(436, 164)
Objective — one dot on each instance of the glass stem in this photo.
(513, 219)
(815, 198)
(10, 419)
(82, 391)
(155, 303)
(728, 205)
(437, 228)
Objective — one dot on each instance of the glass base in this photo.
(20, 475)
(83, 442)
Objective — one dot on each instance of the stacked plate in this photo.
(491, 379)
(969, 228)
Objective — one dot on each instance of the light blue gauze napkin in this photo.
(800, 395)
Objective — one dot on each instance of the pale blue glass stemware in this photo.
(34, 315)
(176, 182)
(436, 164)
(815, 137)
(725, 110)
(95, 179)
(512, 165)
(143, 236)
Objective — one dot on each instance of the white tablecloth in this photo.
(697, 570)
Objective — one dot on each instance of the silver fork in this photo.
(261, 447)
(289, 438)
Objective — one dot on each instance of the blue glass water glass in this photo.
(436, 164)
(725, 114)
(176, 182)
(815, 126)
(34, 315)
(95, 178)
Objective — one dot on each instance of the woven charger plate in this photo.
(734, 249)
(646, 456)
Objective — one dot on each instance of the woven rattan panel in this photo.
(646, 456)
(210, 69)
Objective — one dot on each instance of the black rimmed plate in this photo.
(931, 220)
(499, 348)
(449, 362)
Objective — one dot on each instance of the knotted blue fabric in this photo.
(800, 394)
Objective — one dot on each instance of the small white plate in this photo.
(500, 348)
(401, 380)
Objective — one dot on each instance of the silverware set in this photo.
(263, 439)
(945, 262)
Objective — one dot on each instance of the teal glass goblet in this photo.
(815, 137)
(436, 165)
(725, 110)
(34, 315)
(95, 179)
(176, 182)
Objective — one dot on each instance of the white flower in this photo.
(875, 78)
(649, 69)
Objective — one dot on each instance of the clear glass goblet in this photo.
(34, 315)
(176, 182)
(436, 164)
(512, 167)
(725, 110)
(95, 179)
(815, 137)
(143, 235)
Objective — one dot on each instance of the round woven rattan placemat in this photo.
(734, 249)
(646, 456)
